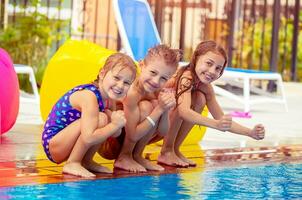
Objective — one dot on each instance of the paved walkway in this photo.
(281, 127)
(22, 160)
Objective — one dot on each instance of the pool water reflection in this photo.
(267, 181)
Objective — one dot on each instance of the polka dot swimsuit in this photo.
(63, 114)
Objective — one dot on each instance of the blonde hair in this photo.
(170, 56)
(117, 60)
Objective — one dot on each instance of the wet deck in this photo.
(22, 160)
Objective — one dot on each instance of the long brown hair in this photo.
(201, 49)
(116, 60)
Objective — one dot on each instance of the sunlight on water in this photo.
(278, 181)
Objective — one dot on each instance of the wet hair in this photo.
(201, 49)
(116, 60)
(170, 56)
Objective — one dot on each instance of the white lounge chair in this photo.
(25, 69)
(243, 78)
(139, 33)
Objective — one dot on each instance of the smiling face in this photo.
(209, 67)
(155, 74)
(116, 82)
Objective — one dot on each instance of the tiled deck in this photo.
(22, 160)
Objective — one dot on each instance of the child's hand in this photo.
(117, 133)
(118, 118)
(108, 113)
(225, 123)
(166, 100)
(257, 132)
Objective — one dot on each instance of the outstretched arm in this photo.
(185, 110)
(256, 133)
(188, 114)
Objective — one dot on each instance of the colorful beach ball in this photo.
(9, 92)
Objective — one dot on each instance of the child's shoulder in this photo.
(81, 87)
(86, 92)
(186, 78)
(187, 74)
(207, 89)
(89, 86)
(133, 94)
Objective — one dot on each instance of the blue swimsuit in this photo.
(63, 114)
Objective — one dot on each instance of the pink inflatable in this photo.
(9, 93)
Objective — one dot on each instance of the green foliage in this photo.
(251, 38)
(29, 40)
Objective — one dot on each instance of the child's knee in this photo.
(103, 120)
(154, 102)
(89, 140)
(145, 108)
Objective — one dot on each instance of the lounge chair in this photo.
(25, 69)
(139, 33)
(243, 78)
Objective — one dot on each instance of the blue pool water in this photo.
(275, 181)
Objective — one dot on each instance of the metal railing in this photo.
(258, 34)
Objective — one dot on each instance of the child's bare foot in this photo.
(147, 164)
(170, 158)
(77, 169)
(183, 158)
(127, 163)
(95, 167)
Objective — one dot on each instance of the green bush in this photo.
(29, 41)
(251, 51)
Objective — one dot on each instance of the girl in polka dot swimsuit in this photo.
(79, 122)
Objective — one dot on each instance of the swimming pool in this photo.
(267, 181)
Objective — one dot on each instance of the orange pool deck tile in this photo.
(23, 162)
